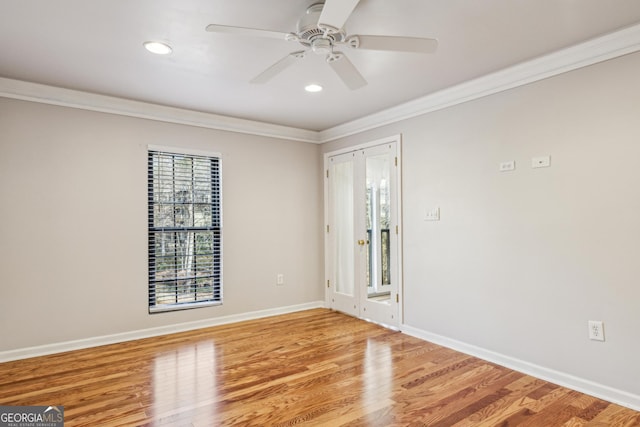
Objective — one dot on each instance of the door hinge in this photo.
(327, 228)
(327, 173)
(328, 284)
(396, 161)
(396, 229)
(397, 298)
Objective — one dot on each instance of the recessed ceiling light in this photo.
(158, 48)
(313, 88)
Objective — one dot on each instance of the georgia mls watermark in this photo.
(31, 416)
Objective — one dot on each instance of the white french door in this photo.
(362, 212)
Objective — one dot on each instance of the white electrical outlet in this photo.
(280, 279)
(596, 330)
(507, 166)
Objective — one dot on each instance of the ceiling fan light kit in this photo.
(320, 30)
(321, 46)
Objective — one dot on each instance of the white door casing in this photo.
(362, 235)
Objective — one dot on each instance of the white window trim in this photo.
(194, 152)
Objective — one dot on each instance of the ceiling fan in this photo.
(321, 30)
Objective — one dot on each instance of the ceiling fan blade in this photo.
(347, 72)
(255, 32)
(393, 43)
(278, 67)
(335, 13)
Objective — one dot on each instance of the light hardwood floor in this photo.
(315, 367)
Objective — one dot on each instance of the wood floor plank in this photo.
(575, 422)
(314, 367)
(614, 415)
(457, 402)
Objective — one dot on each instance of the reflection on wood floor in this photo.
(314, 367)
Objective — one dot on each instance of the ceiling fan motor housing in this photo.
(310, 35)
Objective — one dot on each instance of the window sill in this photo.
(177, 307)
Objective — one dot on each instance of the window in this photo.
(185, 230)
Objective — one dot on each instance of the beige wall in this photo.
(518, 264)
(521, 260)
(73, 248)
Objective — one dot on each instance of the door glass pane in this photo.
(378, 222)
(343, 222)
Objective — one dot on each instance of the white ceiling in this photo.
(96, 46)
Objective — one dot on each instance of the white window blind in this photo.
(185, 231)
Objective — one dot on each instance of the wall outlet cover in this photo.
(596, 330)
(541, 162)
(507, 166)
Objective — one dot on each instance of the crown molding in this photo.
(591, 52)
(45, 94)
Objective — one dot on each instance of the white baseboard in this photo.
(563, 379)
(42, 350)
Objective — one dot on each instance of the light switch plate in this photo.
(432, 215)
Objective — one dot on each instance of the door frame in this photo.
(397, 139)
